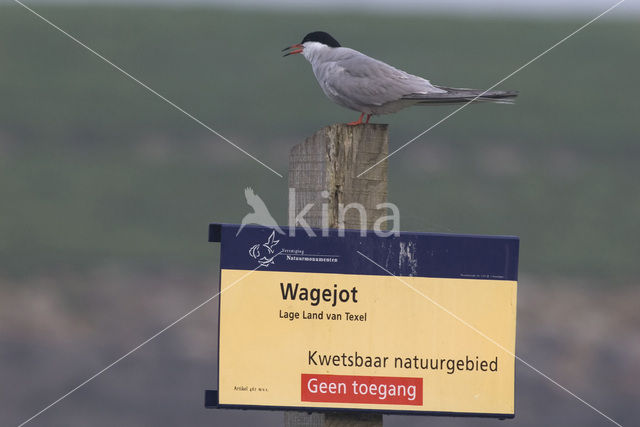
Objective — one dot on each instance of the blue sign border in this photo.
(408, 254)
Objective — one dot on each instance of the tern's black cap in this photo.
(321, 37)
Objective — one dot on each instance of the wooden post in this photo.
(324, 170)
(330, 161)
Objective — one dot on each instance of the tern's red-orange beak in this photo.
(297, 49)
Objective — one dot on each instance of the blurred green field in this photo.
(95, 170)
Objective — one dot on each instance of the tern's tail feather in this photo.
(459, 95)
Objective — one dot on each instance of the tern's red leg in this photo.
(368, 117)
(358, 122)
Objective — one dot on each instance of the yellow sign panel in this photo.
(293, 339)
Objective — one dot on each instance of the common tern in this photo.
(364, 84)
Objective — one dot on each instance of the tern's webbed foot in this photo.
(357, 122)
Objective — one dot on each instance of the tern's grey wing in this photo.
(358, 80)
(459, 95)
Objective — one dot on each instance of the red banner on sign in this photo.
(361, 389)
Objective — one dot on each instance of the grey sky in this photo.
(538, 7)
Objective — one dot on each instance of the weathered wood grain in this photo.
(330, 161)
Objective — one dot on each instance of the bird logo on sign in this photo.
(257, 250)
